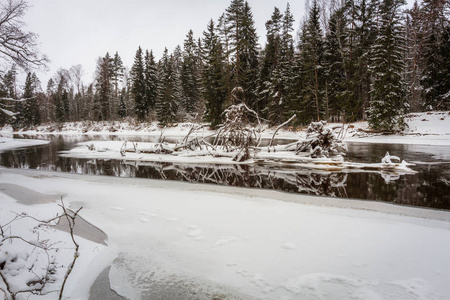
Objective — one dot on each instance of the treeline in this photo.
(351, 60)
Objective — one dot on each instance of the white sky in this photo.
(78, 32)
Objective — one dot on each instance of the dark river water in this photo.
(429, 187)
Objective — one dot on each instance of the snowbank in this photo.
(431, 128)
(7, 143)
(427, 128)
(202, 237)
(23, 262)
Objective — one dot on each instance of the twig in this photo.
(71, 223)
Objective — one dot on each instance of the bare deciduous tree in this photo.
(17, 45)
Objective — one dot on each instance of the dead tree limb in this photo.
(279, 127)
(71, 221)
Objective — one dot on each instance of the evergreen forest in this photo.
(346, 60)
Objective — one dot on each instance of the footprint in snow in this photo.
(144, 220)
(194, 233)
(289, 246)
(224, 240)
(117, 208)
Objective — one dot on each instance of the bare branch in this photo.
(18, 46)
(279, 127)
(71, 222)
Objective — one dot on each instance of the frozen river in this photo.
(429, 187)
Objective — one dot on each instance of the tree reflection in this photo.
(428, 188)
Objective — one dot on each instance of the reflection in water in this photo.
(430, 187)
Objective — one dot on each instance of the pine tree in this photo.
(435, 73)
(414, 65)
(311, 56)
(168, 93)
(117, 73)
(362, 18)
(287, 66)
(388, 104)
(243, 48)
(190, 75)
(224, 33)
(249, 57)
(60, 97)
(269, 105)
(8, 90)
(30, 109)
(214, 76)
(49, 113)
(338, 89)
(9, 82)
(151, 80)
(233, 20)
(138, 87)
(104, 87)
(122, 112)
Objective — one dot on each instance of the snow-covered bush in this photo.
(321, 141)
(235, 135)
(31, 257)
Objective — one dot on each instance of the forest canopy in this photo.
(351, 60)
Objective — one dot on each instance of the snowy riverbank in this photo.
(171, 237)
(428, 128)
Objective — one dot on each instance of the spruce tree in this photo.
(168, 93)
(138, 87)
(243, 49)
(214, 76)
(60, 97)
(122, 112)
(117, 73)
(104, 87)
(413, 63)
(287, 65)
(249, 57)
(151, 80)
(338, 81)
(30, 109)
(435, 73)
(364, 19)
(387, 104)
(8, 90)
(190, 75)
(311, 60)
(269, 102)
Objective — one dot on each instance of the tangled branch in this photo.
(21, 254)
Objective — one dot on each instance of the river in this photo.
(429, 187)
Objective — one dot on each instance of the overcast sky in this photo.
(78, 32)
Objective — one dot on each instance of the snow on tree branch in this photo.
(29, 257)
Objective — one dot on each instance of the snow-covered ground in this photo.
(230, 243)
(427, 128)
(172, 240)
(23, 263)
(432, 128)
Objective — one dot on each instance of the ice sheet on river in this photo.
(248, 241)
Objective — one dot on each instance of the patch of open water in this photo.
(429, 187)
